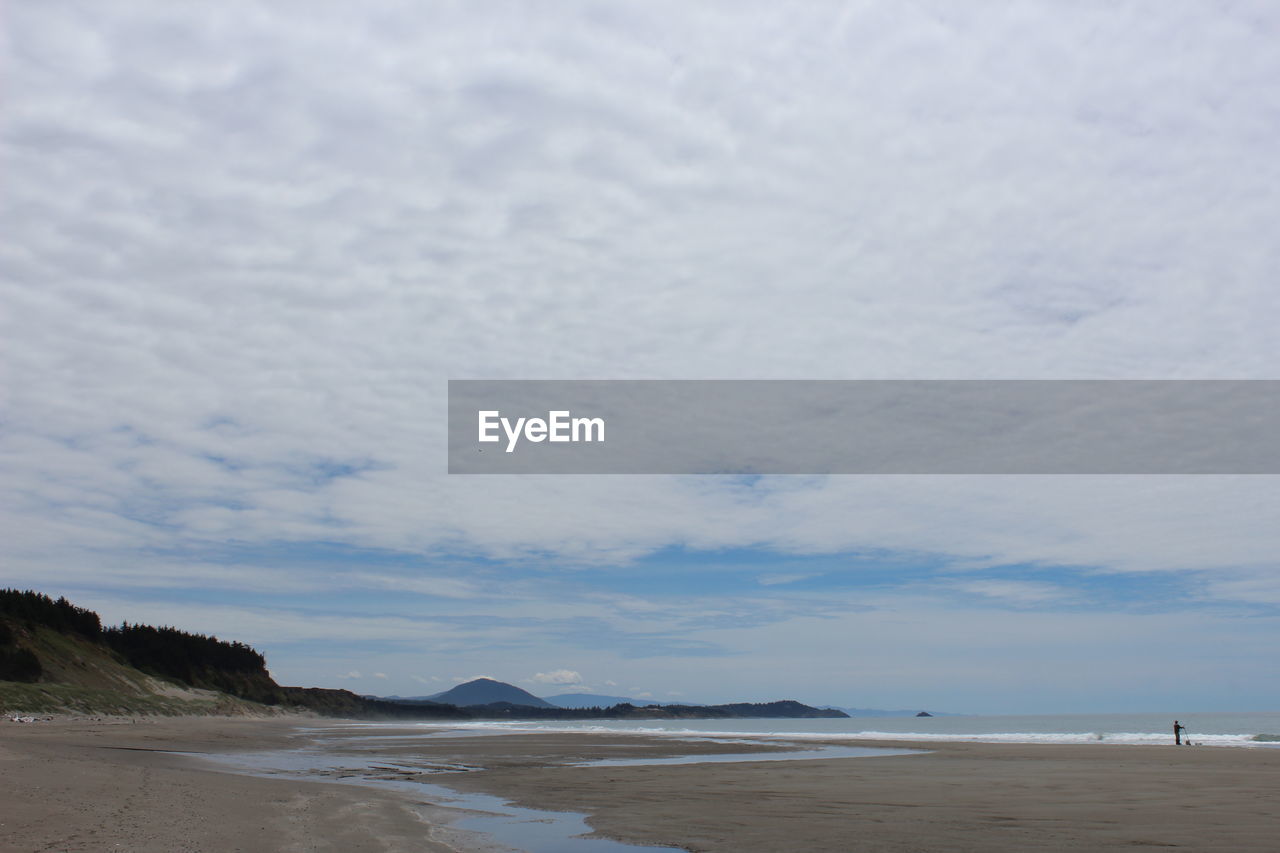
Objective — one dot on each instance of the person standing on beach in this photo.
(1178, 729)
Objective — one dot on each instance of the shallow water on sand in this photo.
(530, 830)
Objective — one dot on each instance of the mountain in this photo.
(486, 691)
(595, 700)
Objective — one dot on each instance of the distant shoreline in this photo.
(850, 731)
(1253, 731)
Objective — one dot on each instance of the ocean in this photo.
(1246, 730)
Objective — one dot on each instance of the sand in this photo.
(100, 786)
(95, 786)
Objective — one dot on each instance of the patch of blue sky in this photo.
(1101, 586)
(314, 471)
(678, 571)
(231, 466)
(299, 576)
(597, 634)
(320, 472)
(314, 576)
(334, 556)
(140, 438)
(1087, 587)
(752, 572)
(290, 554)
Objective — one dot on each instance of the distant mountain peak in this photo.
(488, 691)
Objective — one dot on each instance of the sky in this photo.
(244, 245)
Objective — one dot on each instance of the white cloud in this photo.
(235, 239)
(1260, 588)
(235, 282)
(557, 676)
(257, 625)
(1016, 592)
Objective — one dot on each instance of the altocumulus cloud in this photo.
(247, 243)
(557, 676)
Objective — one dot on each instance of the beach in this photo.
(112, 785)
(176, 785)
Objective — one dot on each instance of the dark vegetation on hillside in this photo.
(17, 663)
(34, 608)
(344, 703)
(236, 669)
(193, 660)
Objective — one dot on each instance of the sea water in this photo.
(1248, 730)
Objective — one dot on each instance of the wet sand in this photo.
(83, 786)
(110, 785)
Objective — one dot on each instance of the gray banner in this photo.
(864, 427)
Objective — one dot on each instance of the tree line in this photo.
(194, 659)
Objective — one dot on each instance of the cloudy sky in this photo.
(244, 245)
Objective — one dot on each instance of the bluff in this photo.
(55, 656)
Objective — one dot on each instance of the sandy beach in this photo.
(112, 785)
(78, 785)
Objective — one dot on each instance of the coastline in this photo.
(92, 785)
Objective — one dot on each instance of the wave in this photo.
(1096, 737)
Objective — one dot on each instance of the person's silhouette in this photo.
(1178, 730)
